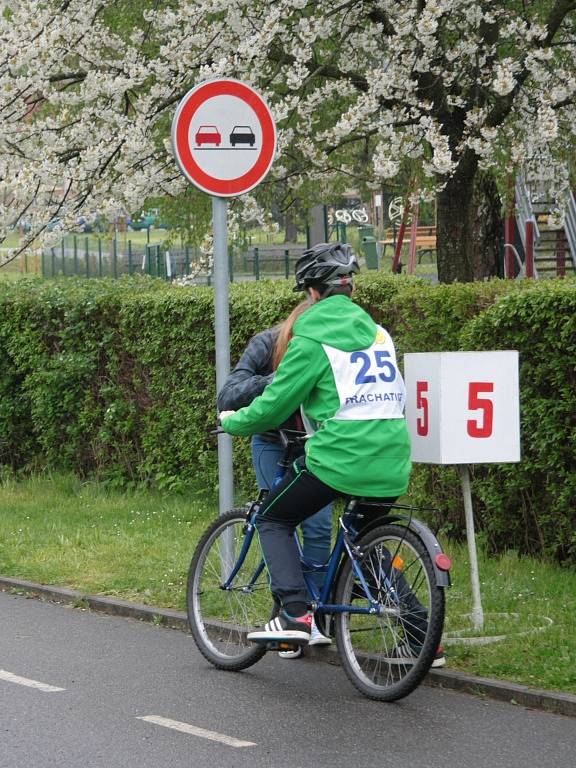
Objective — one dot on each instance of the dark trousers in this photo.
(299, 496)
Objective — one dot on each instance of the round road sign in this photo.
(224, 137)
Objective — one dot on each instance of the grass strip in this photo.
(55, 529)
(137, 546)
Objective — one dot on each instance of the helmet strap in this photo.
(345, 288)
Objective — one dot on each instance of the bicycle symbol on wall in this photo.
(345, 216)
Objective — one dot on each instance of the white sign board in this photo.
(463, 407)
(224, 137)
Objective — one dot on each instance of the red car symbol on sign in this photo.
(208, 134)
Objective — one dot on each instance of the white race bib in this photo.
(368, 381)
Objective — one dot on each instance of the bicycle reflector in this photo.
(398, 563)
(443, 562)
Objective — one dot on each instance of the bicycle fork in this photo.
(227, 582)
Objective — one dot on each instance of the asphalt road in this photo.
(280, 714)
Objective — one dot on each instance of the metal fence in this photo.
(98, 257)
(263, 261)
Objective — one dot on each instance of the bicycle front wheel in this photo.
(221, 614)
(386, 654)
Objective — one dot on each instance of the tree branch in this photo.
(31, 239)
(378, 16)
(557, 15)
(504, 104)
(329, 71)
(76, 76)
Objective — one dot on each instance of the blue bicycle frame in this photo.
(344, 543)
(321, 597)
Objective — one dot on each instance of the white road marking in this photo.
(30, 683)
(193, 730)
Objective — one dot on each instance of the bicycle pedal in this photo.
(278, 645)
(287, 647)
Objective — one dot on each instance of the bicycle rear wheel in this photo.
(386, 655)
(221, 617)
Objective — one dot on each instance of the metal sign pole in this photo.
(222, 334)
(477, 612)
(209, 114)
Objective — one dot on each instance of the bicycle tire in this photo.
(219, 619)
(412, 619)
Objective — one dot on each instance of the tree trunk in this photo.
(488, 228)
(468, 227)
(290, 229)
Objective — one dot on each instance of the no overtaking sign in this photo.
(224, 140)
(224, 137)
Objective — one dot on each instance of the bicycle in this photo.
(383, 591)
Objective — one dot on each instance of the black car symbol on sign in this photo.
(242, 134)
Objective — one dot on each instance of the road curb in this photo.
(533, 698)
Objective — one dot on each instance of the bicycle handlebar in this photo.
(286, 437)
(292, 437)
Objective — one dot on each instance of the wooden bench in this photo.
(425, 240)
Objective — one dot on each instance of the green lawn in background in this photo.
(7, 276)
(11, 241)
(533, 603)
(137, 546)
(257, 236)
(58, 530)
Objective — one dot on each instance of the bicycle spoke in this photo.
(386, 653)
(221, 618)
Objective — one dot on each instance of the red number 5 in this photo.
(481, 428)
(422, 402)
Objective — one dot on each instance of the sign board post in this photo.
(224, 140)
(463, 408)
(222, 344)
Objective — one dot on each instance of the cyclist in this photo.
(253, 372)
(341, 368)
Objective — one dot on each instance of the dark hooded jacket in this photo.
(251, 376)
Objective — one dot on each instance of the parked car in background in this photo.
(142, 223)
(92, 222)
(85, 225)
(208, 134)
(242, 134)
(147, 220)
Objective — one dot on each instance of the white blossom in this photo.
(357, 95)
(504, 80)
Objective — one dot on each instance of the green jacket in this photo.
(341, 368)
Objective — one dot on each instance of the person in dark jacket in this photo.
(251, 375)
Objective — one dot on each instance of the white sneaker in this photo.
(316, 637)
(295, 654)
(403, 654)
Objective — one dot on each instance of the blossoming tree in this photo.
(448, 92)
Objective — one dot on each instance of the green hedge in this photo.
(531, 506)
(116, 379)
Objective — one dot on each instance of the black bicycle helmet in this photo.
(327, 264)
